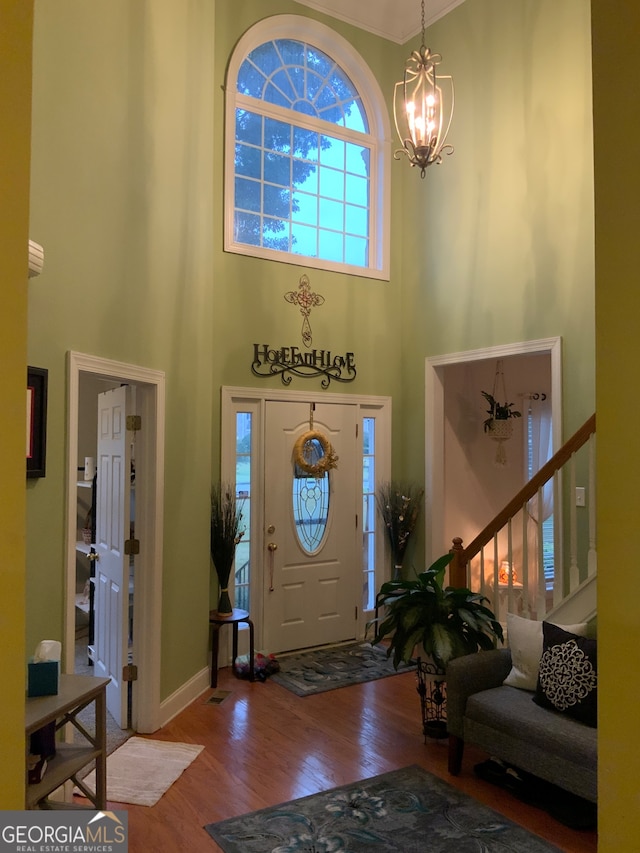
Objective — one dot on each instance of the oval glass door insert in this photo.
(310, 501)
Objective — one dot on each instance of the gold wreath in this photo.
(328, 460)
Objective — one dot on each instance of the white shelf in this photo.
(83, 548)
(84, 484)
(82, 602)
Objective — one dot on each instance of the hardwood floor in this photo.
(264, 746)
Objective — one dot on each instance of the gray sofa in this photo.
(507, 724)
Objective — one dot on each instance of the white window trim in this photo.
(334, 45)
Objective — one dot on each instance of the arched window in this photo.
(308, 144)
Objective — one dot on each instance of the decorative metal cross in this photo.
(306, 300)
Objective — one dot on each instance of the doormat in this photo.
(217, 697)
(409, 810)
(306, 673)
(142, 770)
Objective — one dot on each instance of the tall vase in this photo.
(397, 571)
(224, 603)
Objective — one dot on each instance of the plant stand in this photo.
(432, 689)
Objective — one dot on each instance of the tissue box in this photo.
(43, 678)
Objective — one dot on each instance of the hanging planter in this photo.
(498, 425)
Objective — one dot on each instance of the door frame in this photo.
(150, 401)
(434, 416)
(254, 400)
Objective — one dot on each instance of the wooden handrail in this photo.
(462, 556)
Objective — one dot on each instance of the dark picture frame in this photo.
(37, 382)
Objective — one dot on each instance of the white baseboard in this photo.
(184, 695)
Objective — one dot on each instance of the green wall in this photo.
(494, 246)
(500, 236)
(122, 198)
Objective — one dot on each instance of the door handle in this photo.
(271, 547)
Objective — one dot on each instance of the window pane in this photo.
(330, 246)
(275, 234)
(250, 80)
(305, 143)
(357, 190)
(277, 135)
(331, 213)
(266, 57)
(305, 209)
(369, 516)
(248, 194)
(358, 159)
(332, 183)
(248, 127)
(276, 201)
(305, 240)
(356, 221)
(356, 251)
(247, 228)
(277, 169)
(305, 176)
(332, 152)
(248, 162)
(242, 563)
(291, 52)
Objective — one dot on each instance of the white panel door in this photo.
(310, 590)
(111, 636)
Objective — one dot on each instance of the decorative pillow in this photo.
(568, 675)
(524, 637)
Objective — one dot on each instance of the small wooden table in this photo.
(75, 692)
(217, 620)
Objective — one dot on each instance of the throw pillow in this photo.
(568, 675)
(524, 637)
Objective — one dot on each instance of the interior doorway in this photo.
(458, 453)
(87, 377)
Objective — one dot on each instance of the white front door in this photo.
(111, 635)
(311, 555)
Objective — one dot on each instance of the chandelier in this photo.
(421, 119)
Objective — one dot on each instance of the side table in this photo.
(75, 692)
(217, 620)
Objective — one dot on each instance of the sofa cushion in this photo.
(513, 717)
(525, 640)
(568, 675)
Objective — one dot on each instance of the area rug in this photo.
(306, 673)
(407, 811)
(142, 770)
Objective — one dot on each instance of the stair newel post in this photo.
(458, 566)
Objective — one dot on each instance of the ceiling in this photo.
(396, 20)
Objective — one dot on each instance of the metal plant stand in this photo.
(432, 689)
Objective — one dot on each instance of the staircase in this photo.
(537, 557)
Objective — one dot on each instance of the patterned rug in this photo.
(408, 810)
(306, 673)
